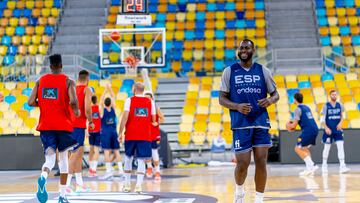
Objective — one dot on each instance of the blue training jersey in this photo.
(333, 116)
(307, 122)
(248, 86)
(109, 119)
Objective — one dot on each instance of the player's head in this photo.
(246, 50)
(107, 102)
(55, 62)
(83, 77)
(298, 98)
(148, 94)
(138, 88)
(94, 99)
(333, 95)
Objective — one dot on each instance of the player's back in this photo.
(53, 102)
(307, 121)
(108, 121)
(80, 122)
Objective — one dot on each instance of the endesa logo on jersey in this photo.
(245, 82)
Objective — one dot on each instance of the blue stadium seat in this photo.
(250, 23)
(338, 49)
(26, 92)
(292, 91)
(220, 34)
(215, 93)
(171, 8)
(339, 3)
(161, 17)
(115, 2)
(33, 21)
(220, 6)
(322, 21)
(186, 66)
(167, 68)
(327, 76)
(10, 99)
(200, 25)
(178, 44)
(240, 15)
(304, 84)
(320, 4)
(8, 60)
(160, 24)
(200, 16)
(57, 3)
(17, 13)
(189, 35)
(320, 12)
(359, 106)
(49, 30)
(349, 3)
(325, 41)
(3, 5)
(211, 7)
(1, 13)
(344, 30)
(230, 6)
(114, 47)
(20, 31)
(169, 45)
(12, 50)
(230, 24)
(27, 13)
(259, 5)
(229, 54)
(356, 40)
(128, 83)
(157, 46)
(27, 107)
(182, 7)
(106, 47)
(153, 8)
(199, 34)
(176, 55)
(240, 24)
(358, 11)
(219, 66)
(6, 40)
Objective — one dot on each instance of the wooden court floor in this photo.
(284, 185)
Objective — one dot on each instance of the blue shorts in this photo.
(305, 140)
(79, 135)
(109, 139)
(245, 139)
(329, 139)
(140, 148)
(155, 144)
(57, 140)
(94, 139)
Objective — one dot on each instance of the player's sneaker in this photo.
(69, 191)
(107, 176)
(157, 176)
(92, 173)
(149, 173)
(324, 169)
(126, 187)
(344, 169)
(309, 171)
(239, 198)
(82, 189)
(138, 189)
(63, 200)
(42, 194)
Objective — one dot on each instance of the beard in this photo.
(248, 58)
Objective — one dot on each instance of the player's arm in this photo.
(161, 115)
(101, 104)
(88, 112)
(32, 101)
(124, 119)
(112, 95)
(339, 126)
(295, 121)
(271, 89)
(153, 114)
(323, 120)
(224, 100)
(72, 96)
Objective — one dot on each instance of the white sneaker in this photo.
(309, 171)
(126, 187)
(138, 189)
(324, 169)
(344, 169)
(314, 169)
(239, 198)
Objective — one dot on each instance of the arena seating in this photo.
(26, 28)
(203, 35)
(338, 28)
(203, 117)
(16, 117)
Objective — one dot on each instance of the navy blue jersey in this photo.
(109, 119)
(248, 86)
(306, 121)
(333, 116)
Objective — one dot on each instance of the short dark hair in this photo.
(94, 99)
(55, 60)
(249, 40)
(83, 74)
(331, 91)
(148, 93)
(107, 102)
(299, 97)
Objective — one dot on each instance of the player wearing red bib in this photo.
(54, 94)
(94, 137)
(138, 117)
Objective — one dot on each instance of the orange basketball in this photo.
(131, 60)
(115, 36)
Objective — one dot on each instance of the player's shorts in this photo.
(57, 140)
(140, 148)
(334, 137)
(94, 139)
(79, 135)
(109, 139)
(155, 144)
(245, 139)
(306, 139)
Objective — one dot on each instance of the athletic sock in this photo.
(157, 168)
(127, 177)
(68, 181)
(148, 164)
(108, 167)
(325, 153)
(239, 189)
(139, 179)
(120, 166)
(95, 163)
(44, 174)
(309, 163)
(79, 180)
(62, 190)
(341, 153)
(259, 197)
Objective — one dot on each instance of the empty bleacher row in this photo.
(203, 35)
(203, 117)
(339, 30)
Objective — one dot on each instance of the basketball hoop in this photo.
(131, 66)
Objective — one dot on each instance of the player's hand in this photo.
(327, 131)
(264, 102)
(87, 134)
(244, 108)
(339, 127)
(155, 123)
(120, 138)
(91, 125)
(77, 113)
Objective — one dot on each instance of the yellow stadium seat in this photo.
(187, 118)
(353, 20)
(204, 94)
(42, 21)
(186, 127)
(355, 123)
(351, 76)
(203, 102)
(354, 83)
(184, 138)
(10, 31)
(202, 110)
(329, 84)
(292, 85)
(49, 4)
(350, 106)
(335, 40)
(198, 138)
(346, 98)
(214, 127)
(10, 114)
(33, 49)
(334, 30)
(200, 126)
(29, 4)
(303, 77)
(39, 30)
(36, 12)
(180, 17)
(215, 109)
(16, 106)
(20, 4)
(344, 91)
(39, 4)
(3, 50)
(353, 114)
(16, 123)
(29, 30)
(42, 49)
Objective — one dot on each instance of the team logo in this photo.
(110, 121)
(141, 112)
(237, 144)
(309, 115)
(240, 79)
(50, 93)
(96, 115)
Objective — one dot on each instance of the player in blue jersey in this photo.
(331, 120)
(304, 118)
(244, 90)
